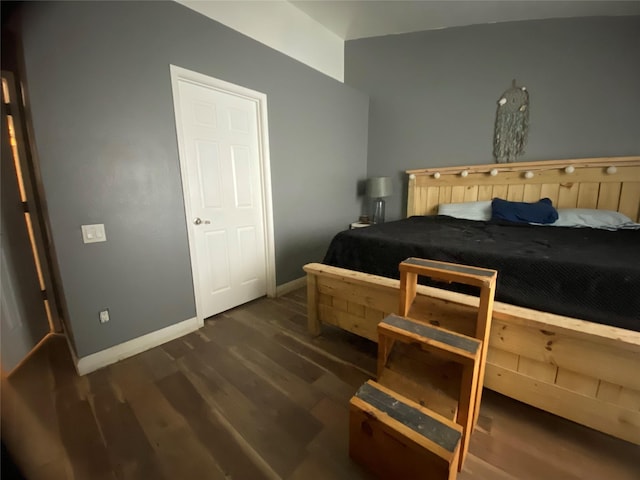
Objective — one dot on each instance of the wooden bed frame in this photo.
(583, 371)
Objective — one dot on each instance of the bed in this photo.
(560, 362)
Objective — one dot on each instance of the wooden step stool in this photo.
(451, 346)
(483, 278)
(396, 438)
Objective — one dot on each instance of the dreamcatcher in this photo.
(512, 124)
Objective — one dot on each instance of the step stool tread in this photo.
(457, 340)
(451, 267)
(400, 410)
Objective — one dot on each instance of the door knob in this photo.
(197, 221)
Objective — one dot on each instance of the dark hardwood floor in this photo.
(252, 396)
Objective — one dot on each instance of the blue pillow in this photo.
(541, 211)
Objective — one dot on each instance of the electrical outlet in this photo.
(104, 315)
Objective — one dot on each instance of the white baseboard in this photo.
(130, 348)
(290, 286)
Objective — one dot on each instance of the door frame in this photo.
(260, 100)
(27, 178)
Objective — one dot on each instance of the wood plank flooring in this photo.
(252, 396)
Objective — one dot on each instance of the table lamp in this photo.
(377, 189)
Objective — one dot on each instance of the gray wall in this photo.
(98, 76)
(433, 94)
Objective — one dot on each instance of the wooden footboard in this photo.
(579, 370)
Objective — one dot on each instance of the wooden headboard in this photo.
(611, 183)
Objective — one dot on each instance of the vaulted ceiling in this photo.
(359, 19)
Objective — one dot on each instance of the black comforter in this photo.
(579, 272)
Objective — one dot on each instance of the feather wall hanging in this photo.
(512, 124)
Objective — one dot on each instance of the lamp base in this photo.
(378, 210)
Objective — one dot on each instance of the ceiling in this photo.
(365, 18)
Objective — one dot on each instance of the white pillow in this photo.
(585, 217)
(467, 210)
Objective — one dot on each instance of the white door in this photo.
(223, 185)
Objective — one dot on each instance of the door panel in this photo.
(238, 121)
(242, 176)
(223, 196)
(216, 265)
(210, 173)
(248, 255)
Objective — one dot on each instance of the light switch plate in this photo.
(93, 233)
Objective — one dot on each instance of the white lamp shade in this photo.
(378, 187)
